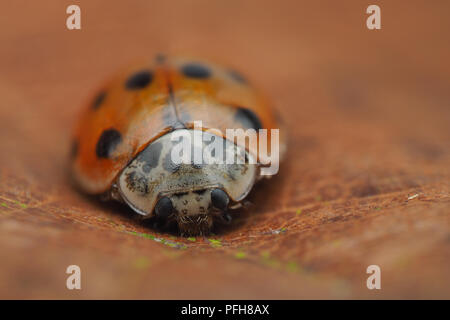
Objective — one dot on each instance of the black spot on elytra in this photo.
(98, 100)
(248, 118)
(196, 70)
(236, 76)
(150, 156)
(139, 80)
(107, 143)
(169, 165)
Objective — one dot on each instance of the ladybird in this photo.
(124, 142)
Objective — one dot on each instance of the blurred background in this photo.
(367, 175)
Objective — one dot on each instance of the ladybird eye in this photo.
(164, 207)
(219, 199)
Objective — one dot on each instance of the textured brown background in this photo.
(368, 113)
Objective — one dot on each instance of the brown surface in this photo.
(368, 113)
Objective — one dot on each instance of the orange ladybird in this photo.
(125, 141)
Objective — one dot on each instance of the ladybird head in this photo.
(194, 211)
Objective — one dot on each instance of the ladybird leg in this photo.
(236, 206)
(112, 194)
(243, 204)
